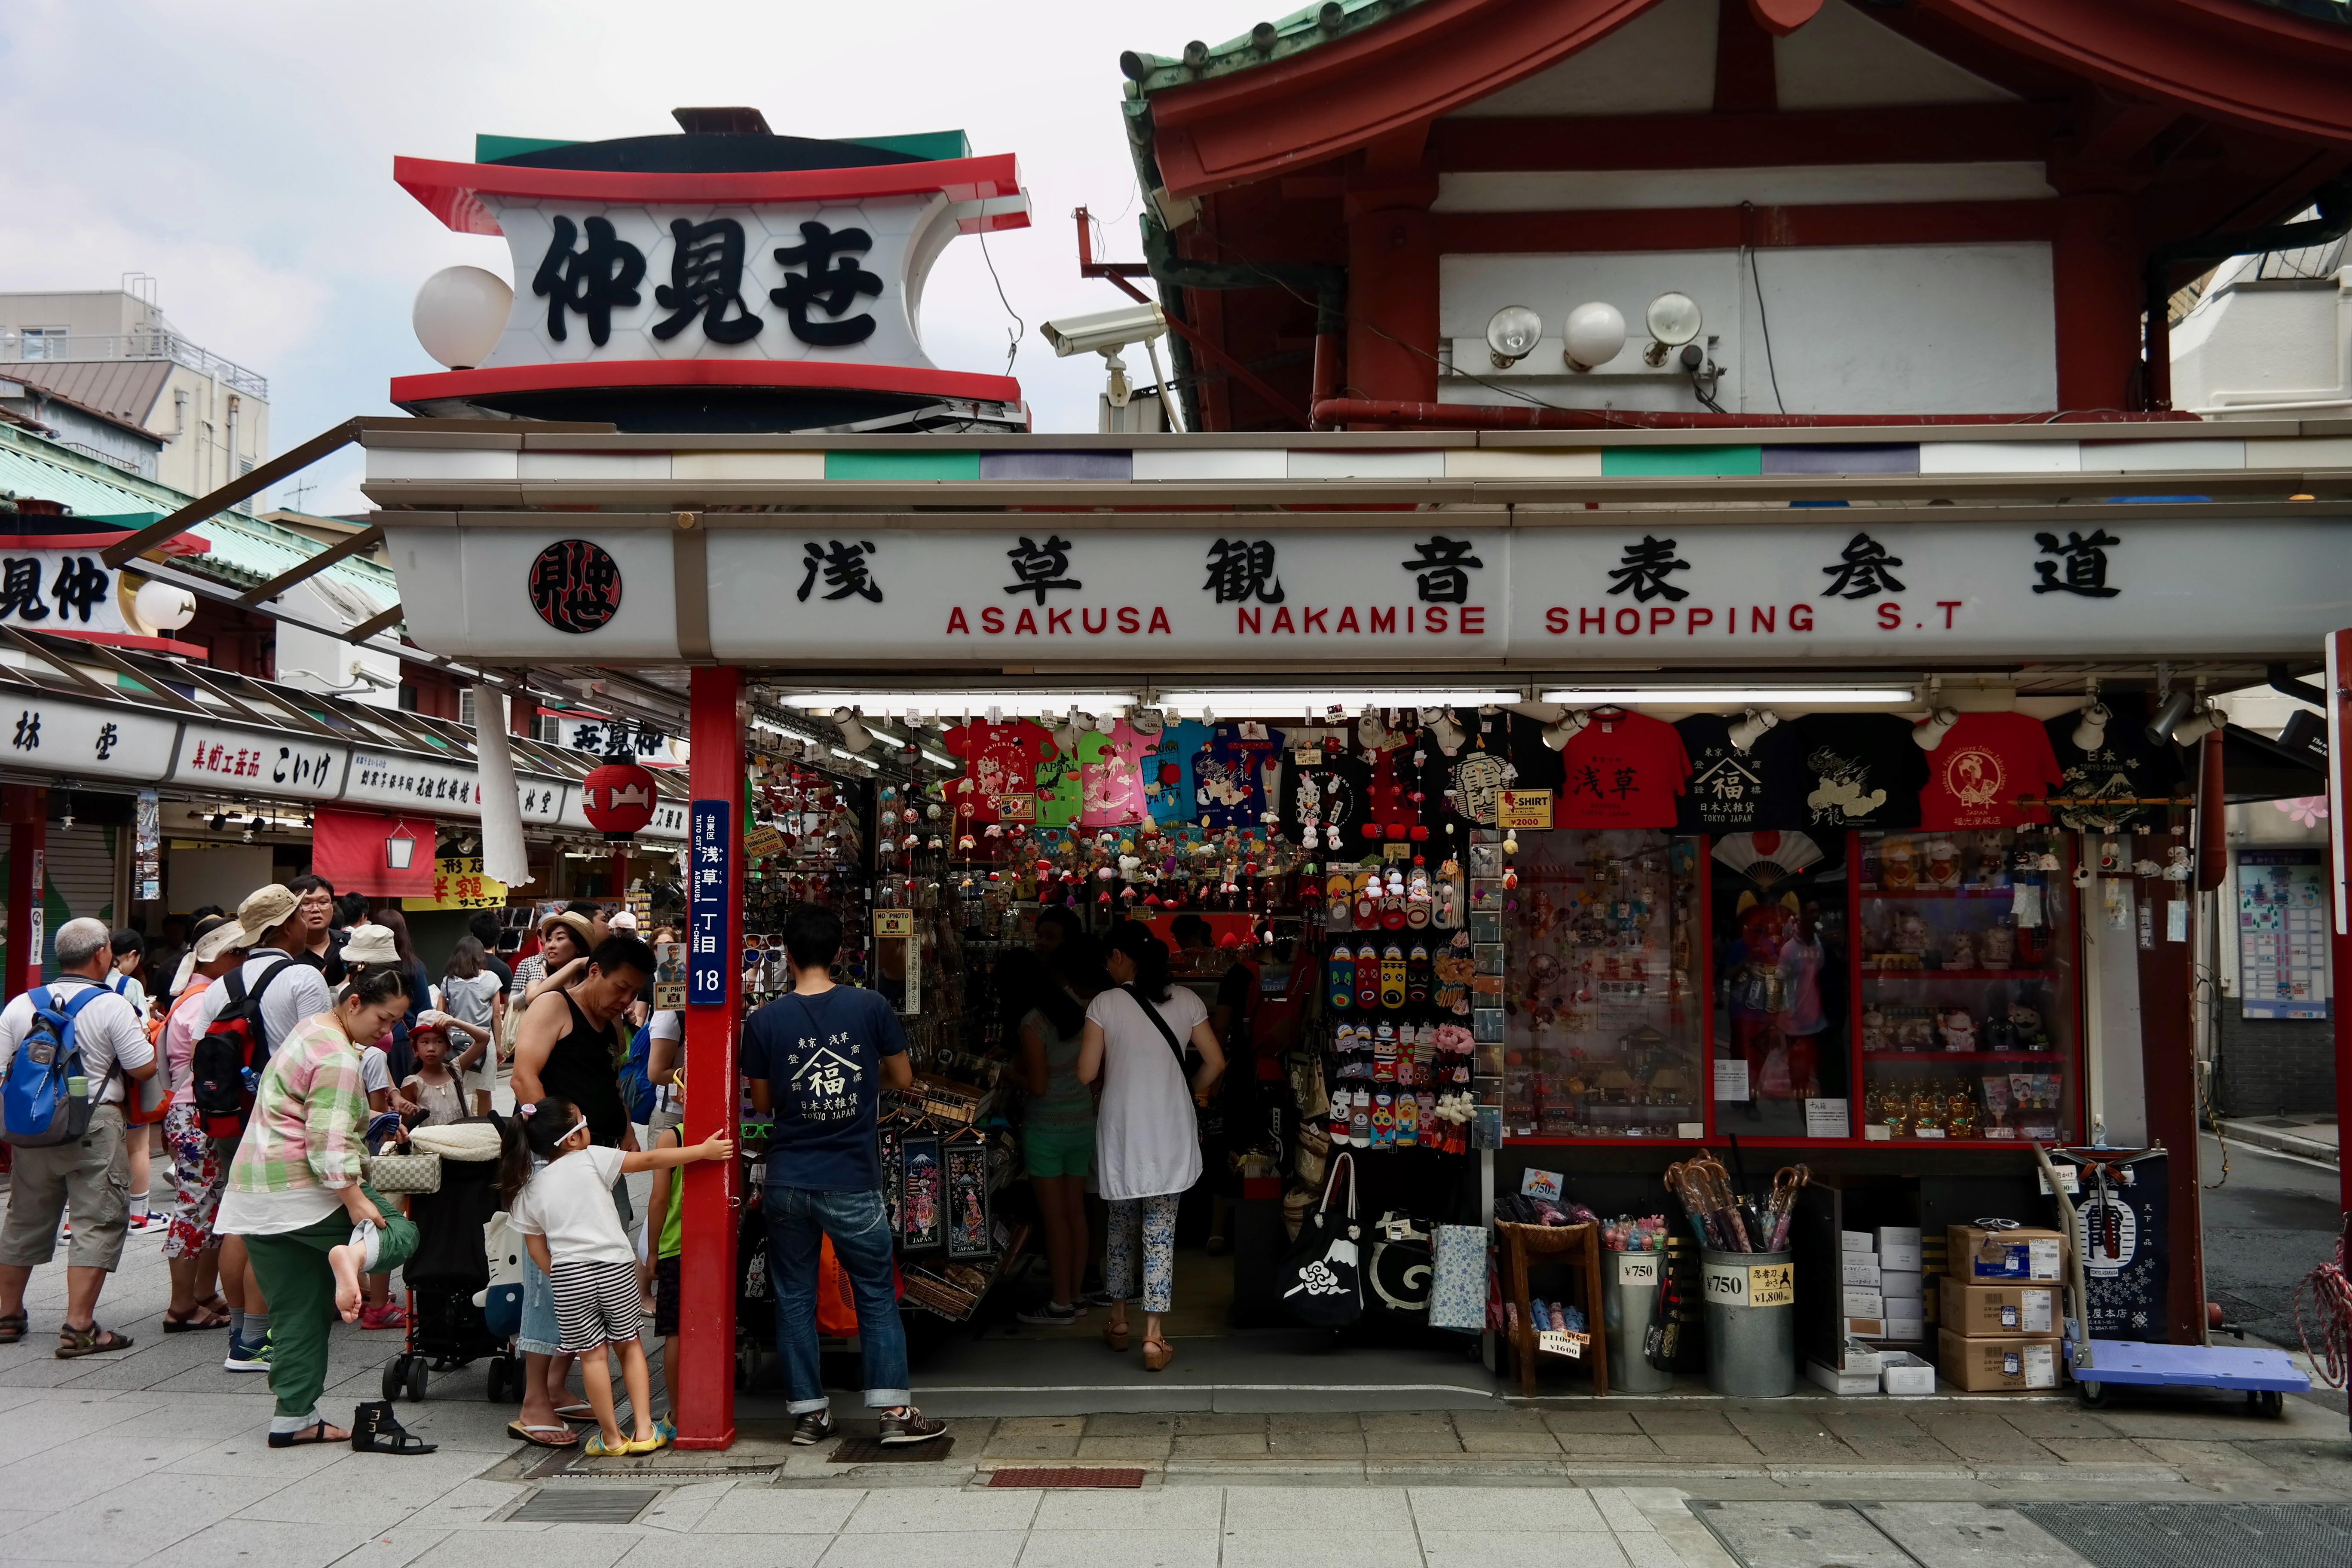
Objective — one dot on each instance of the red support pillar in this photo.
(713, 1094)
(1392, 324)
(26, 808)
(2095, 286)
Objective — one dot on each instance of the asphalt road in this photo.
(2265, 1227)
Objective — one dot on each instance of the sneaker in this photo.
(387, 1316)
(248, 1358)
(1051, 1315)
(909, 1425)
(811, 1428)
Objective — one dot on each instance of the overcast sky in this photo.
(241, 152)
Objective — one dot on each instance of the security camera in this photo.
(1106, 332)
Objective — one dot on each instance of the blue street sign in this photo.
(711, 864)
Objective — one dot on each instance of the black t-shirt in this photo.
(821, 1056)
(1539, 765)
(330, 962)
(1333, 793)
(498, 968)
(1732, 791)
(1462, 790)
(2126, 765)
(1860, 770)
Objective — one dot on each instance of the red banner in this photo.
(373, 852)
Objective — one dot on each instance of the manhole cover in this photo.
(1066, 1478)
(2198, 1535)
(870, 1451)
(584, 1505)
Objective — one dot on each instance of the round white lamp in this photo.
(460, 313)
(163, 607)
(1594, 335)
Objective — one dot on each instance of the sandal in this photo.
(1156, 1354)
(564, 1438)
(1115, 1336)
(92, 1340)
(13, 1327)
(375, 1430)
(200, 1317)
(315, 1432)
(595, 1449)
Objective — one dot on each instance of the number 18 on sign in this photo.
(710, 938)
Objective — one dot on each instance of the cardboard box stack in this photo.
(1999, 1327)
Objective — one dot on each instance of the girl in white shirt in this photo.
(565, 1212)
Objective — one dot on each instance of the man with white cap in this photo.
(282, 991)
(91, 1173)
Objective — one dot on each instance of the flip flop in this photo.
(314, 1433)
(517, 1430)
(579, 1410)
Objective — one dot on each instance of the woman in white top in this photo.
(1147, 1142)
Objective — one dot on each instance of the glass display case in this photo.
(1781, 985)
(1966, 981)
(1601, 1033)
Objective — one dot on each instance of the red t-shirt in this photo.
(1986, 761)
(1622, 772)
(999, 762)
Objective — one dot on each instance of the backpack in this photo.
(225, 1068)
(636, 1083)
(44, 1098)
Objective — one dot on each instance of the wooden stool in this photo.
(1582, 1241)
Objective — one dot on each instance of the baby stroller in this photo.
(452, 1267)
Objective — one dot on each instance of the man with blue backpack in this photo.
(65, 1050)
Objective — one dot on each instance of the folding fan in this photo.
(1767, 857)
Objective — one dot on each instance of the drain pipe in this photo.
(2335, 203)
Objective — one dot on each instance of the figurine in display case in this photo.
(1958, 1030)
(1961, 951)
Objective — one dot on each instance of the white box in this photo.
(1848, 1383)
(1854, 1240)
(1906, 1376)
(1900, 1256)
(1861, 1268)
(1896, 1285)
(1864, 1303)
(1897, 1236)
(1906, 1330)
(1865, 1328)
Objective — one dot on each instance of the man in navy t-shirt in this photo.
(818, 1059)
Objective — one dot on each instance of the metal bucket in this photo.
(1751, 1322)
(1629, 1295)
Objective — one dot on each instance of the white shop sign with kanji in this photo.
(84, 742)
(239, 759)
(64, 591)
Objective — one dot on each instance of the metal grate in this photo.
(584, 1505)
(2201, 1534)
(870, 1451)
(1068, 1477)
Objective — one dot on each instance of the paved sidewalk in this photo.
(2306, 1137)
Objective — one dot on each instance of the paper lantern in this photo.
(618, 799)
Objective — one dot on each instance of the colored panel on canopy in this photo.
(1736, 461)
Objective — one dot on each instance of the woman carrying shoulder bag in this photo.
(1147, 1139)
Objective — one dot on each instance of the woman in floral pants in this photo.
(201, 1163)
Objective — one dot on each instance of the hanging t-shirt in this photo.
(1060, 787)
(1110, 776)
(2126, 765)
(1318, 796)
(1168, 771)
(1229, 783)
(1462, 788)
(1732, 791)
(1539, 765)
(1862, 769)
(1000, 763)
(1627, 771)
(1984, 763)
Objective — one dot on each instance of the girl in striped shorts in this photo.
(564, 1211)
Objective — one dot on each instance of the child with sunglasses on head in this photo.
(558, 1188)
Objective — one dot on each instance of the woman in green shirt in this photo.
(1057, 1136)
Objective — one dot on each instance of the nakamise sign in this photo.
(1661, 593)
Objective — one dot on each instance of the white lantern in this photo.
(399, 851)
(163, 605)
(1595, 334)
(460, 313)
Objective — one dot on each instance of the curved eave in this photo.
(453, 192)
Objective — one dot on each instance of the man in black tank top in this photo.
(570, 1045)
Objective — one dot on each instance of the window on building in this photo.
(43, 342)
(407, 698)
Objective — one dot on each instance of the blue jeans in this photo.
(798, 1222)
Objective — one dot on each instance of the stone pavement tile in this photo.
(1733, 1449)
(1369, 1538)
(572, 1545)
(777, 1510)
(1567, 1421)
(1131, 1425)
(1394, 1445)
(385, 1489)
(1981, 1434)
(1033, 1427)
(1502, 1510)
(905, 1513)
(1887, 1437)
(1664, 1422)
(1290, 1509)
(1192, 1547)
(2323, 1463)
(1620, 1509)
(1328, 1424)
(2051, 1420)
(966, 1549)
(1939, 1533)
(1257, 1475)
(1489, 1549)
(139, 1519)
(266, 1544)
(1420, 1421)
(1608, 1445)
(467, 1503)
(725, 1552)
(1699, 1550)
(2221, 1418)
(1012, 1449)
(1504, 1441)
(1794, 1435)
(72, 1473)
(1137, 1450)
(1165, 1508)
(1314, 1436)
(2096, 1450)
(249, 1453)
(683, 1508)
(1220, 1444)
(1213, 1424)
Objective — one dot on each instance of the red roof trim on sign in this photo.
(599, 374)
(452, 192)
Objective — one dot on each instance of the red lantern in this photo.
(618, 799)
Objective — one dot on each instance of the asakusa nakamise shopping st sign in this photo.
(1669, 591)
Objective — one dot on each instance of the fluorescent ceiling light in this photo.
(931, 756)
(854, 757)
(1292, 703)
(883, 703)
(1734, 696)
